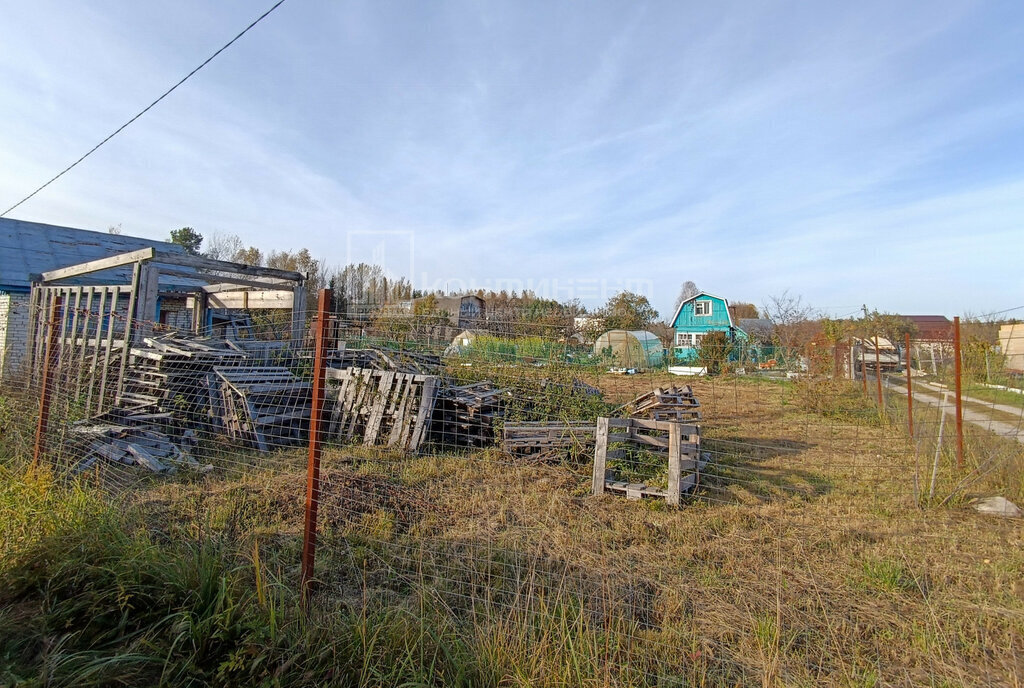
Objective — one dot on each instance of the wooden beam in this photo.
(97, 265)
(224, 281)
(250, 299)
(232, 284)
(298, 315)
(218, 266)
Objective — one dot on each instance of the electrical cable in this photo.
(147, 108)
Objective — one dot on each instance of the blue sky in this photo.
(849, 152)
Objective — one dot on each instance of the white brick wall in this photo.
(13, 332)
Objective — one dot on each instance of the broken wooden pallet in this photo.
(408, 362)
(168, 373)
(671, 403)
(465, 415)
(264, 406)
(138, 445)
(546, 440)
(619, 438)
(381, 407)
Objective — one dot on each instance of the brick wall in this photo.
(13, 332)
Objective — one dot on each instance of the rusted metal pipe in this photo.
(315, 445)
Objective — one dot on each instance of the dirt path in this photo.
(981, 419)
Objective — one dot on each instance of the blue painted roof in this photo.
(31, 248)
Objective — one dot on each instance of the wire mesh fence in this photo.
(560, 517)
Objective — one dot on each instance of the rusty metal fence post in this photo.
(315, 444)
(910, 387)
(51, 352)
(957, 372)
(878, 376)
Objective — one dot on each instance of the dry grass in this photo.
(806, 558)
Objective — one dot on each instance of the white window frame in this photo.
(682, 339)
(699, 307)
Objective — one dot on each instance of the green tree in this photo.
(714, 351)
(187, 238)
(628, 311)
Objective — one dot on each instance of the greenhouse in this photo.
(631, 348)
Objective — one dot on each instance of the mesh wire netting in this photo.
(815, 539)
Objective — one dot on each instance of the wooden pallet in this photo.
(409, 362)
(545, 440)
(129, 439)
(381, 407)
(465, 416)
(168, 373)
(671, 403)
(679, 442)
(265, 406)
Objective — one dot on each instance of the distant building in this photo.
(28, 249)
(698, 316)
(1011, 341)
(931, 328)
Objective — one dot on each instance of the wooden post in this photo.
(43, 423)
(878, 373)
(675, 441)
(600, 455)
(910, 389)
(315, 446)
(298, 315)
(959, 398)
(863, 370)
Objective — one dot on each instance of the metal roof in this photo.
(31, 248)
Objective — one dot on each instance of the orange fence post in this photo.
(315, 444)
(878, 372)
(910, 388)
(51, 352)
(959, 398)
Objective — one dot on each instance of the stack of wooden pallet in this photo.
(129, 439)
(385, 359)
(672, 403)
(542, 441)
(381, 407)
(265, 406)
(464, 416)
(169, 372)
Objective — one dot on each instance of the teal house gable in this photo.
(696, 317)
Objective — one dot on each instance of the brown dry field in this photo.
(803, 559)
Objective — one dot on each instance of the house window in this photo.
(702, 308)
(682, 339)
(697, 339)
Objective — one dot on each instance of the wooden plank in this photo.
(104, 371)
(428, 399)
(272, 299)
(377, 412)
(128, 326)
(600, 455)
(100, 314)
(97, 265)
(222, 266)
(674, 441)
(298, 331)
(145, 458)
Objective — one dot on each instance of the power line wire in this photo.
(148, 107)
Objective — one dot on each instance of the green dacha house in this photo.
(696, 317)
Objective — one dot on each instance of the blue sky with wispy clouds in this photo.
(850, 152)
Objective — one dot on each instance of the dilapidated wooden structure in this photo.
(619, 438)
(91, 314)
